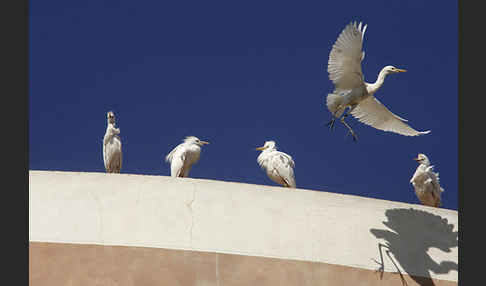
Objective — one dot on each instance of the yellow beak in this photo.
(416, 159)
(204, 142)
(400, 70)
(261, 148)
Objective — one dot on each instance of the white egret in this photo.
(112, 147)
(426, 182)
(184, 156)
(278, 165)
(352, 92)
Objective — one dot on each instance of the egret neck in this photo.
(371, 88)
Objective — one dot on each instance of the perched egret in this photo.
(352, 92)
(184, 155)
(426, 182)
(112, 152)
(278, 165)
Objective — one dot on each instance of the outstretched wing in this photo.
(371, 112)
(344, 65)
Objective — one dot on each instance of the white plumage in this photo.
(426, 183)
(112, 148)
(278, 165)
(184, 156)
(351, 91)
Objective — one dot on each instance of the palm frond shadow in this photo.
(410, 234)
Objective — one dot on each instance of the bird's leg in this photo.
(333, 119)
(331, 122)
(404, 282)
(355, 138)
(181, 173)
(382, 264)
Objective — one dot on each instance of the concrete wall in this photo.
(101, 217)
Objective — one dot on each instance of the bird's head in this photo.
(110, 116)
(422, 159)
(195, 140)
(392, 69)
(268, 145)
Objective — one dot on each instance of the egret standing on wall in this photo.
(352, 92)
(184, 155)
(426, 182)
(278, 165)
(112, 153)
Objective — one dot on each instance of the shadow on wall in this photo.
(412, 232)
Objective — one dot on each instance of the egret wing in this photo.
(177, 164)
(435, 179)
(284, 165)
(371, 112)
(112, 154)
(120, 160)
(435, 188)
(176, 158)
(105, 159)
(344, 65)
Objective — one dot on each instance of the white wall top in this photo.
(238, 218)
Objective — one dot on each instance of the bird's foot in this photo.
(355, 137)
(380, 270)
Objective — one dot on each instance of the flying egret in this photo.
(426, 182)
(352, 92)
(278, 165)
(112, 152)
(184, 155)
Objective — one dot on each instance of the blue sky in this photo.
(237, 74)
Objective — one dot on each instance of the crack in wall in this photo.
(189, 205)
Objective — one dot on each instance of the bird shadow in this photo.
(411, 233)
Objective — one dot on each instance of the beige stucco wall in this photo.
(235, 218)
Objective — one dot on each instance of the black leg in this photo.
(355, 138)
(331, 123)
(398, 269)
(382, 264)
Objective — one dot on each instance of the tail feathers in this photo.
(334, 104)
